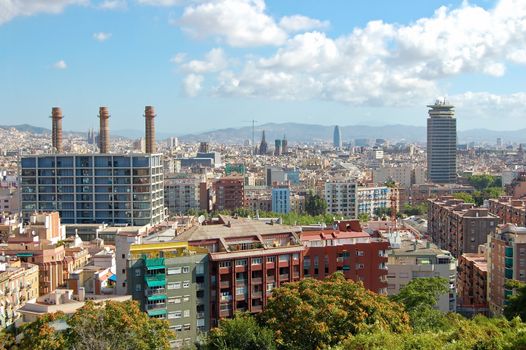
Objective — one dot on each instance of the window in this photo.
(186, 269)
(359, 266)
(137, 272)
(186, 313)
(359, 252)
(284, 257)
(177, 327)
(174, 271)
(186, 284)
(174, 300)
(241, 290)
(200, 269)
(224, 264)
(241, 262)
(174, 285)
(186, 298)
(186, 327)
(271, 259)
(256, 261)
(174, 314)
(138, 287)
(295, 256)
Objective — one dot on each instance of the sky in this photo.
(211, 64)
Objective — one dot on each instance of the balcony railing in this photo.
(154, 291)
(155, 306)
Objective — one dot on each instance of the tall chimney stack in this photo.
(56, 130)
(149, 114)
(104, 132)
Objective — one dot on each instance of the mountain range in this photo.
(298, 132)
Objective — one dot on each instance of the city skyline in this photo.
(274, 61)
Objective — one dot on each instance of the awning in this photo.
(113, 278)
(155, 267)
(24, 255)
(157, 312)
(156, 283)
(157, 297)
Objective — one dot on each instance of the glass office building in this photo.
(94, 188)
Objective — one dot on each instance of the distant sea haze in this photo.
(296, 132)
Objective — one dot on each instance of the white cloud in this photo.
(299, 23)
(113, 4)
(178, 58)
(192, 84)
(240, 23)
(383, 64)
(215, 60)
(160, 2)
(101, 36)
(486, 106)
(60, 65)
(10, 9)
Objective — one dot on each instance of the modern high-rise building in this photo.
(281, 198)
(95, 188)
(277, 147)
(284, 145)
(441, 143)
(337, 137)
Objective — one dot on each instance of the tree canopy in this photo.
(241, 333)
(315, 205)
(313, 314)
(113, 325)
(516, 305)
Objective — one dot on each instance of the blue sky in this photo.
(207, 64)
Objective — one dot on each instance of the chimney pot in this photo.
(56, 129)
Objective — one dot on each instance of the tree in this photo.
(422, 292)
(42, 334)
(381, 212)
(411, 210)
(241, 333)
(516, 305)
(466, 197)
(481, 182)
(313, 314)
(419, 298)
(112, 325)
(363, 217)
(7, 340)
(315, 205)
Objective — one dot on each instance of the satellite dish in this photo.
(201, 219)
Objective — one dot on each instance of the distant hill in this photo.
(27, 128)
(298, 132)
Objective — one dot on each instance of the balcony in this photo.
(284, 277)
(226, 298)
(257, 280)
(225, 284)
(200, 286)
(257, 294)
(154, 291)
(155, 306)
(256, 308)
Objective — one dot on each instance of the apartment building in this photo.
(94, 188)
(18, 285)
(181, 194)
(409, 258)
(171, 280)
(472, 283)
(506, 261)
(229, 193)
(281, 198)
(348, 249)
(457, 226)
(370, 199)
(340, 196)
(403, 175)
(509, 210)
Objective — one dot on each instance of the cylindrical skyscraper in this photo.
(337, 137)
(149, 114)
(104, 132)
(56, 129)
(441, 143)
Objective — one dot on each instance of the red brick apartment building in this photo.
(457, 226)
(472, 279)
(348, 249)
(509, 210)
(230, 193)
(506, 261)
(248, 258)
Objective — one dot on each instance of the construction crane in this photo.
(253, 121)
